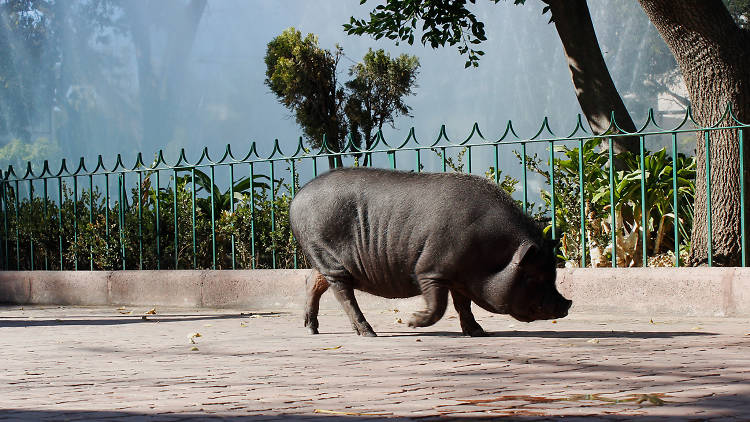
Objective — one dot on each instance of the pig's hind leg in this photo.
(316, 285)
(435, 294)
(469, 325)
(342, 289)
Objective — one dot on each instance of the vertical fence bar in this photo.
(106, 205)
(91, 219)
(176, 233)
(140, 220)
(294, 193)
(315, 166)
(45, 216)
(31, 237)
(468, 159)
(75, 220)
(192, 206)
(709, 237)
(497, 163)
(583, 203)
(231, 208)
(445, 160)
(644, 220)
(252, 211)
(392, 158)
(552, 188)
(4, 207)
(121, 215)
(273, 215)
(213, 219)
(158, 219)
(675, 204)
(59, 219)
(4, 200)
(18, 236)
(419, 160)
(525, 200)
(743, 244)
(612, 205)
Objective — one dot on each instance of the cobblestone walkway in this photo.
(110, 364)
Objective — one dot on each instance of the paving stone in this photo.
(93, 363)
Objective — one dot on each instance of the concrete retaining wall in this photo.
(644, 291)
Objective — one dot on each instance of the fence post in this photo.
(612, 204)
(213, 219)
(231, 209)
(523, 177)
(743, 245)
(31, 237)
(552, 188)
(195, 246)
(675, 204)
(157, 192)
(140, 220)
(709, 236)
(176, 232)
(644, 220)
(583, 203)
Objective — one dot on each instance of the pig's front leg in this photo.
(435, 294)
(469, 325)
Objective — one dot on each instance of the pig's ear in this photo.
(524, 253)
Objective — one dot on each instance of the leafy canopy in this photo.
(303, 77)
(443, 22)
(378, 90)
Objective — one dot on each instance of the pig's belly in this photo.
(388, 286)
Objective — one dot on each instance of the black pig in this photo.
(398, 234)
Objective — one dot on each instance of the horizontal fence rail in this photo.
(232, 212)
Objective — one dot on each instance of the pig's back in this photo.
(385, 227)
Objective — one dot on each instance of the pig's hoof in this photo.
(312, 325)
(365, 330)
(475, 332)
(420, 319)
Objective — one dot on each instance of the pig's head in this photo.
(525, 288)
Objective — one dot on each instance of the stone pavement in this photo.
(76, 363)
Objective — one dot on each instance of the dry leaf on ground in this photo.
(336, 412)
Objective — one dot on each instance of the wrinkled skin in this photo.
(398, 234)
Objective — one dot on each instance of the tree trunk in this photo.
(595, 90)
(714, 56)
(159, 90)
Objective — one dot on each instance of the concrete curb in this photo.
(643, 291)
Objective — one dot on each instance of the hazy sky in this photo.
(522, 77)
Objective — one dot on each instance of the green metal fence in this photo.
(231, 212)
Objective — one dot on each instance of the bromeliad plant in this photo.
(629, 227)
(88, 233)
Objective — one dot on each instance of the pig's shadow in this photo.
(562, 334)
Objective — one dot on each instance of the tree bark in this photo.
(595, 90)
(159, 90)
(714, 56)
